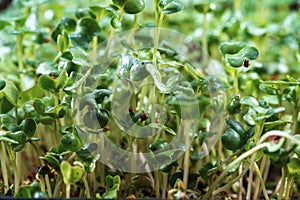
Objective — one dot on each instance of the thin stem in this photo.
(294, 120)
(112, 33)
(204, 35)
(142, 97)
(57, 186)
(20, 57)
(16, 173)
(256, 182)
(283, 183)
(68, 190)
(42, 183)
(288, 188)
(258, 131)
(49, 189)
(164, 185)
(86, 185)
(157, 192)
(134, 26)
(16, 114)
(94, 52)
(236, 81)
(18, 164)
(256, 168)
(72, 156)
(56, 123)
(230, 183)
(206, 151)
(159, 16)
(278, 133)
(220, 152)
(186, 162)
(57, 57)
(3, 159)
(296, 112)
(240, 194)
(231, 165)
(229, 158)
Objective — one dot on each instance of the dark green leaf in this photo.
(134, 6)
(29, 127)
(170, 6)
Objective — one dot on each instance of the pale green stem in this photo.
(204, 35)
(42, 184)
(49, 189)
(112, 33)
(256, 168)
(158, 18)
(16, 173)
(57, 57)
(57, 187)
(256, 182)
(236, 81)
(186, 162)
(157, 184)
(68, 190)
(282, 183)
(249, 187)
(258, 131)
(56, 123)
(72, 156)
(94, 51)
(296, 111)
(87, 188)
(47, 180)
(164, 185)
(230, 183)
(278, 133)
(20, 57)
(18, 164)
(16, 113)
(240, 194)
(3, 159)
(288, 188)
(231, 165)
(206, 151)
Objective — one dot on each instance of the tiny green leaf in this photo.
(2, 84)
(115, 22)
(29, 127)
(62, 41)
(47, 83)
(66, 170)
(170, 6)
(11, 93)
(134, 6)
(231, 47)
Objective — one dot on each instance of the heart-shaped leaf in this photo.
(87, 28)
(71, 175)
(112, 187)
(238, 59)
(53, 85)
